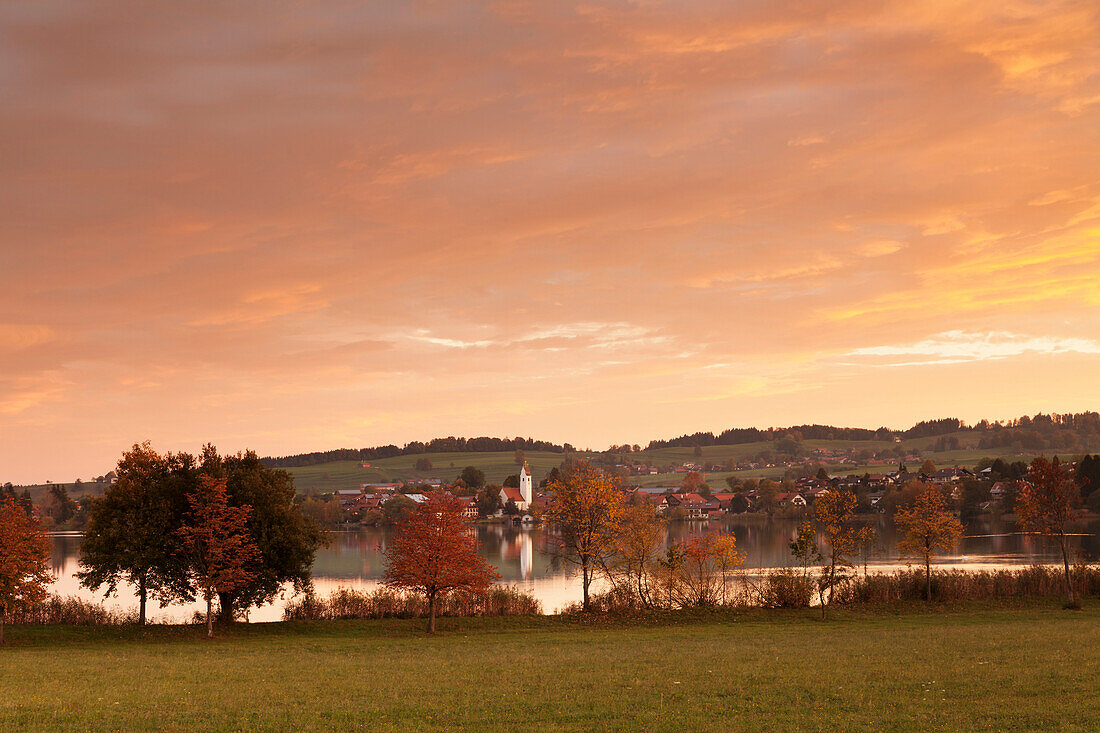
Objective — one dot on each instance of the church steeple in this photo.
(525, 484)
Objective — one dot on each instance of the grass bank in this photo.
(977, 666)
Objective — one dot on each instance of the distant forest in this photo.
(1070, 432)
(436, 445)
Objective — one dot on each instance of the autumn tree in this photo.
(423, 464)
(1046, 504)
(286, 538)
(699, 569)
(638, 541)
(691, 483)
(24, 560)
(131, 531)
(585, 508)
(834, 513)
(434, 552)
(217, 545)
(928, 467)
(927, 529)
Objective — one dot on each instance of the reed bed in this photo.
(346, 603)
(72, 611)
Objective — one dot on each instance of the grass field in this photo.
(974, 668)
(349, 475)
(329, 477)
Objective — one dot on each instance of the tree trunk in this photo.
(431, 612)
(210, 617)
(225, 607)
(928, 579)
(1069, 578)
(142, 593)
(585, 581)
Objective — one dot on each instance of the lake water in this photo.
(356, 559)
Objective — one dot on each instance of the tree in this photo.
(637, 544)
(434, 553)
(488, 500)
(1047, 503)
(698, 451)
(691, 482)
(927, 528)
(24, 560)
(473, 477)
(397, 508)
(59, 505)
(585, 508)
(511, 481)
(131, 531)
(423, 464)
(928, 468)
(520, 457)
(216, 544)
(699, 568)
(286, 538)
(833, 515)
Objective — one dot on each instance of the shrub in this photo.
(786, 588)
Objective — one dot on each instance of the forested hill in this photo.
(1069, 432)
(436, 445)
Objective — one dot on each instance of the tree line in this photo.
(436, 445)
(1053, 431)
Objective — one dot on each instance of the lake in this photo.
(355, 559)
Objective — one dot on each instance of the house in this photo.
(949, 475)
(789, 498)
(348, 497)
(695, 505)
(658, 501)
(469, 507)
(510, 493)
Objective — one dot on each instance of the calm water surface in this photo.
(356, 559)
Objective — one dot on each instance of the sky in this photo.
(303, 226)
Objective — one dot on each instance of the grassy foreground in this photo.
(977, 667)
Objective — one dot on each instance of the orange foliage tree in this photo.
(585, 510)
(24, 560)
(692, 482)
(216, 543)
(635, 552)
(435, 553)
(699, 569)
(1047, 503)
(927, 529)
(834, 513)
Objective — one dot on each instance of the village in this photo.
(520, 500)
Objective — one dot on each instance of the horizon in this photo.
(290, 229)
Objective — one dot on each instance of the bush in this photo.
(786, 588)
(345, 603)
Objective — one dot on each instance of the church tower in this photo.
(525, 484)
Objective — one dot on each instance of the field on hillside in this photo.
(328, 477)
(446, 466)
(979, 668)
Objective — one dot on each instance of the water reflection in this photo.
(521, 555)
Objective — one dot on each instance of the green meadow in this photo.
(327, 477)
(966, 668)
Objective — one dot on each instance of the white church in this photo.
(524, 495)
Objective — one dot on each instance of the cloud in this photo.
(954, 347)
(376, 222)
